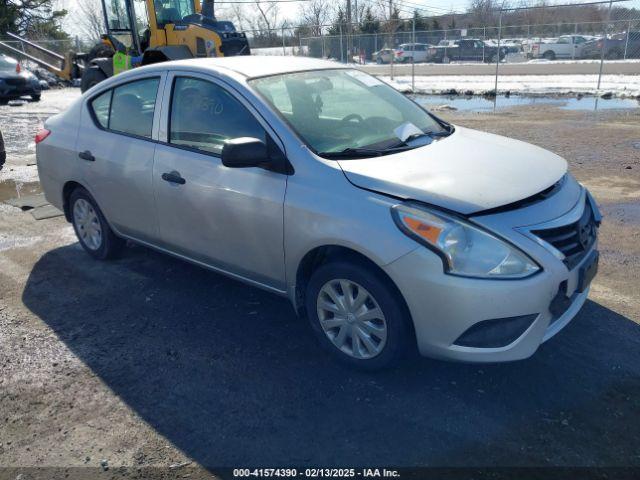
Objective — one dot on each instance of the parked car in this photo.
(390, 229)
(616, 46)
(513, 45)
(384, 55)
(447, 43)
(566, 46)
(465, 49)
(16, 82)
(3, 153)
(408, 52)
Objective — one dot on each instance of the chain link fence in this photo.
(586, 49)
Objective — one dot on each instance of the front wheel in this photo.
(358, 315)
(36, 97)
(92, 229)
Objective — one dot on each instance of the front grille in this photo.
(573, 240)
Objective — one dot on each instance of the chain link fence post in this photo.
(605, 29)
(413, 59)
(495, 88)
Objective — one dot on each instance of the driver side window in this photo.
(204, 116)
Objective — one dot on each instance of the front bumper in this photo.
(444, 307)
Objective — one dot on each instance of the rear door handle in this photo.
(173, 177)
(86, 155)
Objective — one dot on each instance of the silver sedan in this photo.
(389, 229)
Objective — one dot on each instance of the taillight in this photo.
(18, 69)
(599, 43)
(42, 134)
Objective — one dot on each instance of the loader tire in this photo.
(91, 76)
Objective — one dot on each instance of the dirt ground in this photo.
(151, 362)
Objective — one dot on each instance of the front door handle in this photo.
(86, 155)
(173, 177)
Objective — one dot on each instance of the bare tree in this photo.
(268, 16)
(90, 19)
(314, 14)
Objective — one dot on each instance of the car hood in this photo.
(467, 172)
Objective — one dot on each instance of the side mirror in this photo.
(244, 152)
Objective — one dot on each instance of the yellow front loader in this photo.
(141, 32)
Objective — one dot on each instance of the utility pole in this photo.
(349, 53)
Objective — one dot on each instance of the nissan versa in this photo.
(388, 228)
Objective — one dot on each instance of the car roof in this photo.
(258, 66)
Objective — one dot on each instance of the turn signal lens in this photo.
(42, 134)
(422, 229)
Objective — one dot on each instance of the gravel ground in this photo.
(151, 362)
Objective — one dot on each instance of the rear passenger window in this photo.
(204, 116)
(132, 107)
(101, 106)
(128, 108)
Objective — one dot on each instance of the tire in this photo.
(614, 55)
(102, 246)
(549, 55)
(388, 335)
(379, 61)
(493, 58)
(91, 77)
(36, 98)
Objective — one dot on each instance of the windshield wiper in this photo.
(364, 152)
(430, 134)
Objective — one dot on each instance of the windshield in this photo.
(336, 110)
(169, 11)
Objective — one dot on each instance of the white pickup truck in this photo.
(566, 46)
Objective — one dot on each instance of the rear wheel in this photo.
(91, 77)
(357, 315)
(36, 98)
(549, 55)
(91, 228)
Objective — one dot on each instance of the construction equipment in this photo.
(152, 31)
(141, 32)
(67, 67)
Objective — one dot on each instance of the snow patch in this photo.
(618, 85)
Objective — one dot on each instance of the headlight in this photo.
(465, 249)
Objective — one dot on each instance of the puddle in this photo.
(12, 189)
(481, 104)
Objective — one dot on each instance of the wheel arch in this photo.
(67, 190)
(323, 254)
